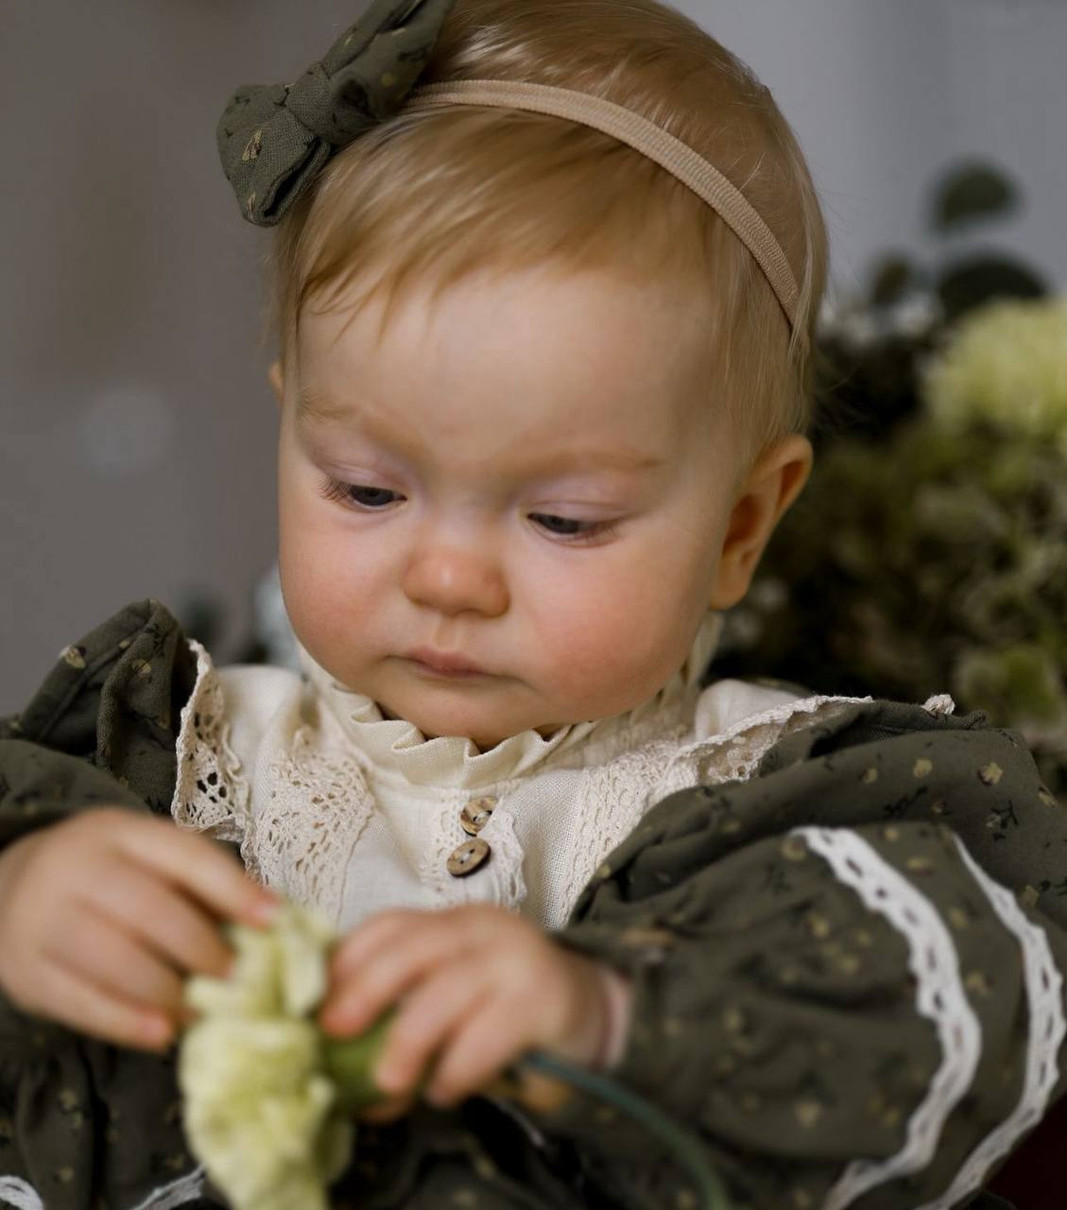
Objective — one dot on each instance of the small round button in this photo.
(475, 815)
(468, 857)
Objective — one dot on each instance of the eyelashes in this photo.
(569, 531)
(573, 531)
(359, 494)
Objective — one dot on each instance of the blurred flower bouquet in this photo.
(929, 552)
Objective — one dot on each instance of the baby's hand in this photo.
(103, 916)
(478, 986)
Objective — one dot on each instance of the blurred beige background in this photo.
(136, 427)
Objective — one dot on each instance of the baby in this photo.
(543, 387)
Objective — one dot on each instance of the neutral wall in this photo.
(136, 428)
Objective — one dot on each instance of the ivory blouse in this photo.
(337, 806)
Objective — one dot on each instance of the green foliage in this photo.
(980, 279)
(971, 191)
(929, 555)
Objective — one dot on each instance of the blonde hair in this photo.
(422, 200)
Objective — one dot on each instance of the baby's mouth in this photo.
(446, 664)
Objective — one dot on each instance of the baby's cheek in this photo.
(606, 663)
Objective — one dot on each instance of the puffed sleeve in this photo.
(846, 970)
(102, 727)
(82, 1123)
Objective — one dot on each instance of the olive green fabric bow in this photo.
(274, 138)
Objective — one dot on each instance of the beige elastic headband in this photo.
(706, 181)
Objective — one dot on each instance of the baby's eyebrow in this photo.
(597, 458)
(316, 408)
(565, 460)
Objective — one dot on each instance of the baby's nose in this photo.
(453, 580)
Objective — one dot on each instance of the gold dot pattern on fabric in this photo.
(990, 774)
(977, 982)
(807, 1112)
(793, 849)
(922, 767)
(1029, 896)
(388, 79)
(74, 656)
(733, 1020)
(253, 146)
(870, 775)
(484, 1167)
(819, 925)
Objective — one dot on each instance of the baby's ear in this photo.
(274, 374)
(775, 482)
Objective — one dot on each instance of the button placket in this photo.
(476, 814)
(468, 857)
(473, 853)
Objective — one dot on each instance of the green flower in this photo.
(267, 1095)
(1006, 363)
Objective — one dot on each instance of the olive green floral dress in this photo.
(846, 973)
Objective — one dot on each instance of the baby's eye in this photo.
(371, 497)
(571, 527)
(360, 494)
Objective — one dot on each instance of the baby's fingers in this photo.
(85, 1006)
(170, 923)
(99, 951)
(197, 864)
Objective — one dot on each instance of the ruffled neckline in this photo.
(398, 749)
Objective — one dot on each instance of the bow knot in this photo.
(274, 138)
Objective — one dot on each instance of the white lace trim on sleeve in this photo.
(19, 1194)
(735, 754)
(210, 795)
(1047, 1028)
(188, 1188)
(940, 997)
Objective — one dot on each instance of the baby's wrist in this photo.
(617, 1003)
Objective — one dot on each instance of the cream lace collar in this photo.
(399, 749)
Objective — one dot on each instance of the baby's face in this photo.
(509, 513)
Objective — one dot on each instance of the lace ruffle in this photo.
(210, 793)
(735, 755)
(301, 839)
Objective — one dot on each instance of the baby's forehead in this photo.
(580, 333)
(520, 351)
